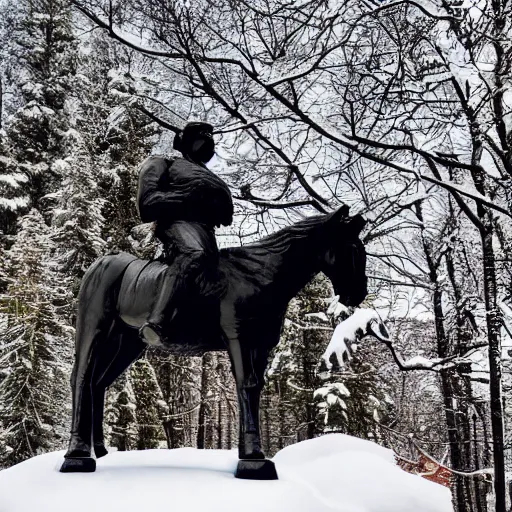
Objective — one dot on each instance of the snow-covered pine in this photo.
(118, 135)
(354, 396)
(44, 49)
(77, 220)
(291, 375)
(311, 402)
(13, 194)
(151, 408)
(120, 415)
(34, 396)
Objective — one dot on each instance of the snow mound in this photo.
(334, 473)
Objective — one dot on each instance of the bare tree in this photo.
(368, 102)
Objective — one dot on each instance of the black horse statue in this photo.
(259, 280)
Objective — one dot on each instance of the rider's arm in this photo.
(224, 210)
(182, 191)
(155, 200)
(209, 198)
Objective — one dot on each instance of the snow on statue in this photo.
(333, 473)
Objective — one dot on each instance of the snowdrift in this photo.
(334, 473)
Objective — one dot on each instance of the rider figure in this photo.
(186, 201)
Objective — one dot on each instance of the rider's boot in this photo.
(163, 312)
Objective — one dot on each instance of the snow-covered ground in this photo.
(333, 473)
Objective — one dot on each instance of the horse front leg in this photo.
(248, 366)
(248, 370)
(249, 442)
(90, 336)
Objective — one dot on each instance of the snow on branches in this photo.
(361, 323)
(367, 322)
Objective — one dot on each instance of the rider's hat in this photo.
(191, 131)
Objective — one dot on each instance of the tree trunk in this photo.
(311, 411)
(450, 386)
(280, 409)
(220, 420)
(229, 438)
(461, 384)
(494, 338)
(1, 100)
(201, 430)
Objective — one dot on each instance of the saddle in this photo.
(194, 324)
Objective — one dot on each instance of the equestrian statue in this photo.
(240, 294)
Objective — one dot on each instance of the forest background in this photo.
(400, 109)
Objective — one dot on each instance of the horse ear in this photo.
(357, 223)
(343, 211)
(339, 216)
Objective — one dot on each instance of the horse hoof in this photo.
(100, 451)
(250, 469)
(252, 453)
(78, 465)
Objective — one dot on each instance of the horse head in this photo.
(344, 261)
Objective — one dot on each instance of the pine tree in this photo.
(292, 376)
(353, 396)
(119, 136)
(151, 407)
(120, 417)
(354, 402)
(13, 194)
(77, 220)
(304, 402)
(33, 392)
(42, 43)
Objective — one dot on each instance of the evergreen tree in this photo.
(77, 220)
(119, 136)
(354, 401)
(151, 407)
(33, 392)
(13, 194)
(120, 418)
(42, 43)
(306, 402)
(292, 376)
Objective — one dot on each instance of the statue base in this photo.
(331, 473)
(250, 469)
(78, 465)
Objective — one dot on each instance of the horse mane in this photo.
(279, 241)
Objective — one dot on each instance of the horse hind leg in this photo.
(89, 335)
(119, 353)
(96, 313)
(105, 354)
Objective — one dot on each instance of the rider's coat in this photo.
(180, 190)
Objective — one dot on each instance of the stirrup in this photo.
(152, 334)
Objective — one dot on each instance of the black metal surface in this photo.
(256, 470)
(78, 465)
(234, 300)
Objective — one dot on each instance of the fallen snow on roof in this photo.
(333, 473)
